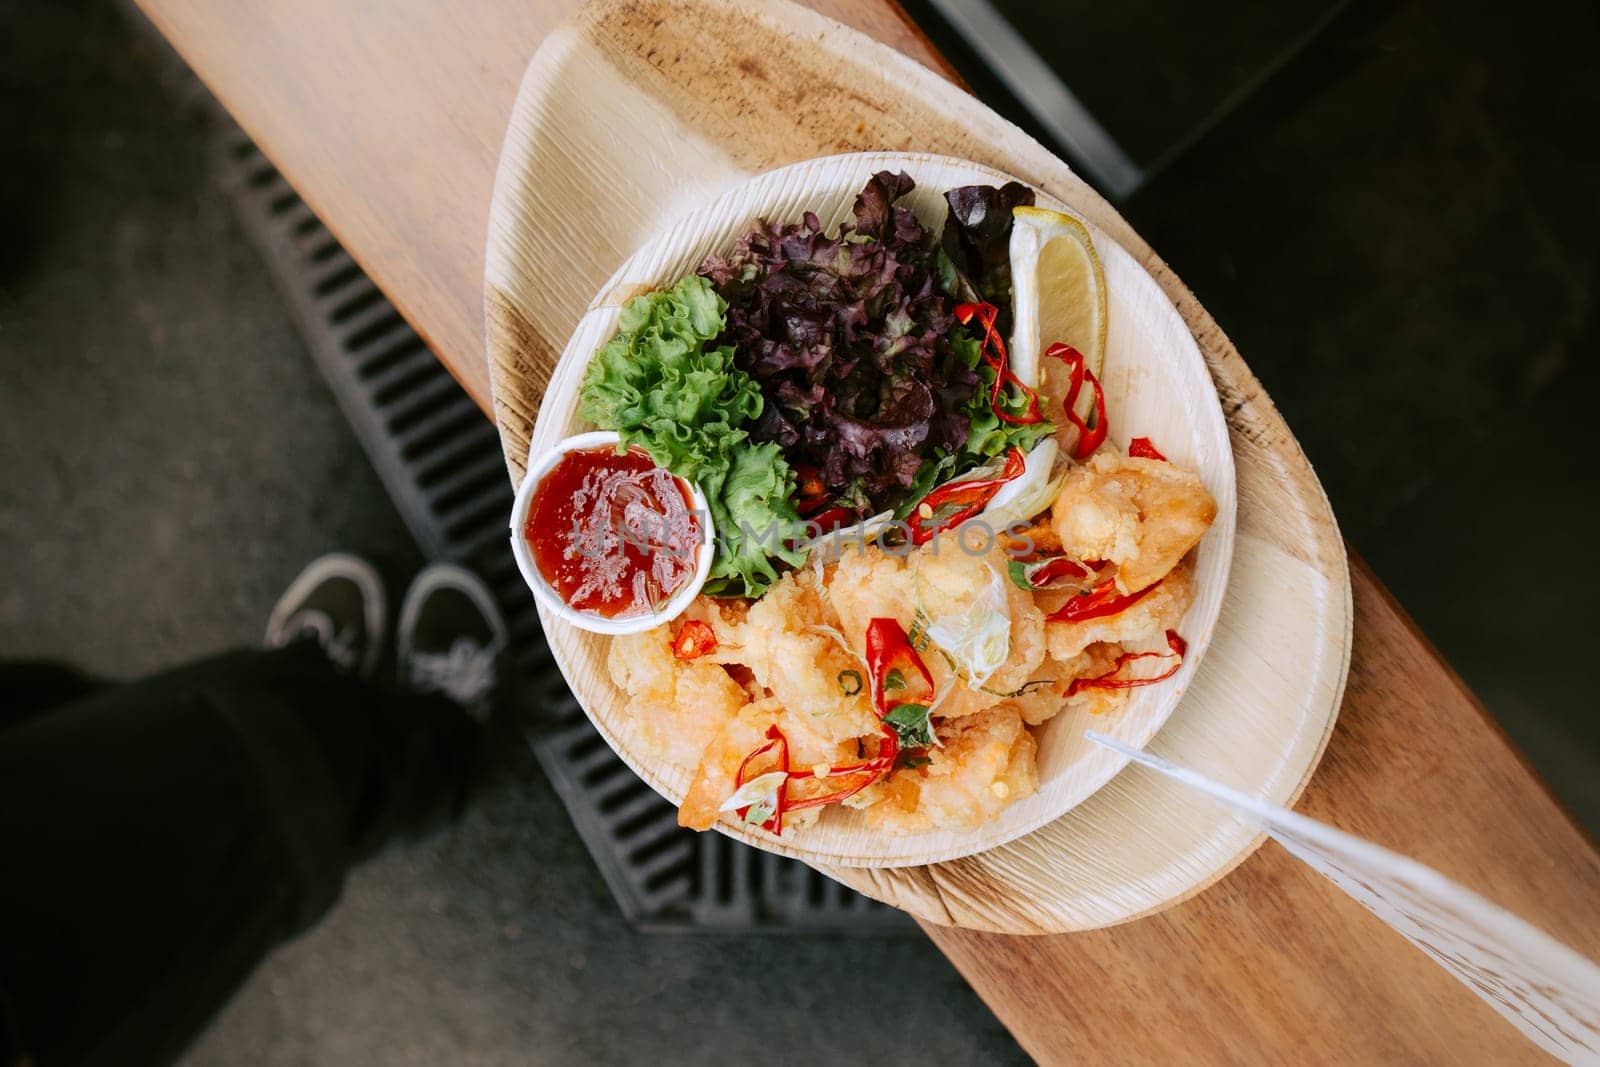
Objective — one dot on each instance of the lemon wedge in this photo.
(1058, 294)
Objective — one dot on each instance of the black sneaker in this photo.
(338, 602)
(451, 638)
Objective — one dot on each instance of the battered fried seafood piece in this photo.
(1139, 628)
(980, 635)
(681, 705)
(1053, 692)
(1092, 662)
(792, 643)
(983, 763)
(1143, 515)
(716, 776)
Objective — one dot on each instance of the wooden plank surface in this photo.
(387, 118)
(1273, 962)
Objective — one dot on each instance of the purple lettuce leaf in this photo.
(977, 238)
(849, 337)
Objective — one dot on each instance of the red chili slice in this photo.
(694, 640)
(833, 519)
(824, 522)
(994, 354)
(1062, 567)
(877, 763)
(1141, 448)
(890, 658)
(1045, 573)
(1177, 647)
(776, 741)
(955, 502)
(837, 796)
(869, 770)
(1091, 431)
(811, 492)
(1103, 600)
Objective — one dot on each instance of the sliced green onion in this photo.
(1030, 493)
(759, 794)
(977, 642)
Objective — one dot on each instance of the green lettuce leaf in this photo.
(662, 389)
(659, 386)
(987, 435)
(756, 522)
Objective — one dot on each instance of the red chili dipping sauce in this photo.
(613, 534)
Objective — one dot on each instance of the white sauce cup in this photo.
(551, 600)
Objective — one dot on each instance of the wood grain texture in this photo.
(387, 118)
(621, 92)
(1275, 963)
(1269, 965)
(1156, 383)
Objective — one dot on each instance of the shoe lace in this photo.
(340, 646)
(465, 673)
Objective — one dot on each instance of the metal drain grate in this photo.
(441, 462)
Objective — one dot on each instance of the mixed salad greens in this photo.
(663, 386)
(808, 377)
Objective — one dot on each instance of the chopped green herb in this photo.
(894, 680)
(850, 682)
(912, 762)
(1024, 689)
(913, 723)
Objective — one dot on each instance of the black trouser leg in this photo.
(29, 687)
(158, 838)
